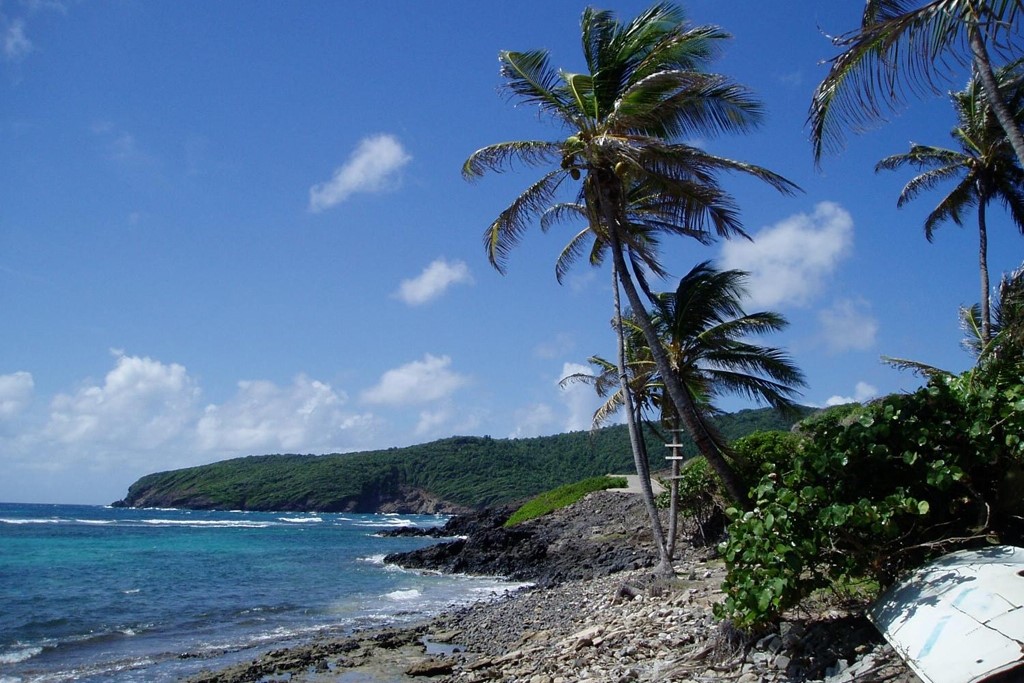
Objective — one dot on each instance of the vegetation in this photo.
(645, 89)
(562, 497)
(984, 167)
(699, 491)
(903, 47)
(704, 332)
(472, 472)
(886, 488)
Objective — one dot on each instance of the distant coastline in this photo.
(449, 476)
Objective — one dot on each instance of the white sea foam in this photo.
(388, 521)
(96, 521)
(48, 520)
(211, 523)
(410, 594)
(372, 559)
(301, 520)
(15, 656)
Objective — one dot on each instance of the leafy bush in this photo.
(700, 491)
(880, 491)
(562, 497)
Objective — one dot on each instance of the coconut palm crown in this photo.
(910, 47)
(983, 169)
(645, 92)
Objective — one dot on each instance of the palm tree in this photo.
(702, 326)
(985, 169)
(645, 90)
(643, 397)
(1006, 333)
(906, 47)
(702, 330)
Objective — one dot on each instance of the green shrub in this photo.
(562, 497)
(700, 490)
(880, 491)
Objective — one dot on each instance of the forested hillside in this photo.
(446, 475)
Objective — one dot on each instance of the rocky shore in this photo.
(596, 613)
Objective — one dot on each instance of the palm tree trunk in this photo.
(685, 405)
(983, 66)
(673, 507)
(636, 441)
(986, 319)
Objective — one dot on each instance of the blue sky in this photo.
(240, 228)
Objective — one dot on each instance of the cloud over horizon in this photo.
(306, 416)
(372, 167)
(420, 381)
(145, 416)
(15, 393)
(862, 392)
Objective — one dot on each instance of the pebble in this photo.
(627, 627)
(669, 635)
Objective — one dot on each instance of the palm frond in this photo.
(925, 182)
(897, 51)
(502, 236)
(572, 252)
(916, 367)
(673, 105)
(500, 157)
(530, 78)
(963, 196)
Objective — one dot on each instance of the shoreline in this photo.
(623, 627)
(611, 622)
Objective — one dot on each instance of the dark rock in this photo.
(431, 667)
(565, 545)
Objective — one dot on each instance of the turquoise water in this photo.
(104, 594)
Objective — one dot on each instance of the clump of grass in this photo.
(561, 497)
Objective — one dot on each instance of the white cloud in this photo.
(433, 282)
(144, 404)
(15, 393)
(306, 416)
(534, 420)
(372, 167)
(431, 421)
(141, 404)
(16, 44)
(579, 399)
(848, 326)
(90, 443)
(790, 261)
(421, 381)
(862, 392)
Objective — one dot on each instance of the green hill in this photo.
(442, 476)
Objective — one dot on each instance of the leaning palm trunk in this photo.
(983, 67)
(673, 508)
(684, 403)
(986, 315)
(636, 442)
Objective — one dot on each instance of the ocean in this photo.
(90, 593)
